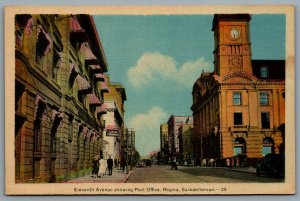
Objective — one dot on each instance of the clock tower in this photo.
(232, 51)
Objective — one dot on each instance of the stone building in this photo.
(174, 123)
(59, 66)
(114, 119)
(239, 108)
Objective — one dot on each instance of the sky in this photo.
(159, 57)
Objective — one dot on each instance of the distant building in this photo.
(129, 146)
(58, 129)
(114, 119)
(164, 143)
(186, 144)
(174, 123)
(239, 108)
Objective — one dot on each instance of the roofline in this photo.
(229, 17)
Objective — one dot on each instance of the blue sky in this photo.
(159, 57)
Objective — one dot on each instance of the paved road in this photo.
(163, 174)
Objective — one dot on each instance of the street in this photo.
(163, 174)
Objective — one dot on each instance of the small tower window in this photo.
(264, 72)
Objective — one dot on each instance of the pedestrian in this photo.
(110, 164)
(123, 164)
(95, 166)
(228, 163)
(102, 167)
(116, 162)
(173, 163)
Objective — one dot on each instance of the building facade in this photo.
(164, 143)
(174, 123)
(186, 144)
(114, 119)
(129, 151)
(239, 108)
(59, 65)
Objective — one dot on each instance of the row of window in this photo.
(263, 98)
(264, 117)
(240, 146)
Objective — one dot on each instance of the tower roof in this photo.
(229, 17)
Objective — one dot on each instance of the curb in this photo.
(127, 176)
(237, 170)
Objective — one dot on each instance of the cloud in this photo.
(146, 127)
(190, 71)
(150, 65)
(155, 67)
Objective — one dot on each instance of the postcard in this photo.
(149, 100)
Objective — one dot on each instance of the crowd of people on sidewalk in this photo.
(100, 166)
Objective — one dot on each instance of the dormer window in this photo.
(264, 72)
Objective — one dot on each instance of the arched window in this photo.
(267, 146)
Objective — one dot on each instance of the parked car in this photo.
(139, 165)
(272, 166)
(148, 163)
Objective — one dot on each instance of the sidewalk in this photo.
(249, 169)
(118, 176)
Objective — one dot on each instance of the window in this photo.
(42, 44)
(265, 120)
(55, 64)
(81, 97)
(70, 134)
(264, 98)
(236, 98)
(237, 150)
(238, 118)
(264, 72)
(92, 109)
(239, 146)
(267, 146)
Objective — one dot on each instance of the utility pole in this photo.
(127, 151)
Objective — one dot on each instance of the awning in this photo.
(29, 26)
(104, 87)
(102, 109)
(95, 69)
(90, 58)
(94, 137)
(112, 131)
(83, 85)
(99, 77)
(75, 26)
(112, 127)
(94, 100)
(84, 132)
(77, 32)
(57, 116)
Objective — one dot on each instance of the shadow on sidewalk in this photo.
(118, 176)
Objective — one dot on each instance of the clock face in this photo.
(235, 33)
